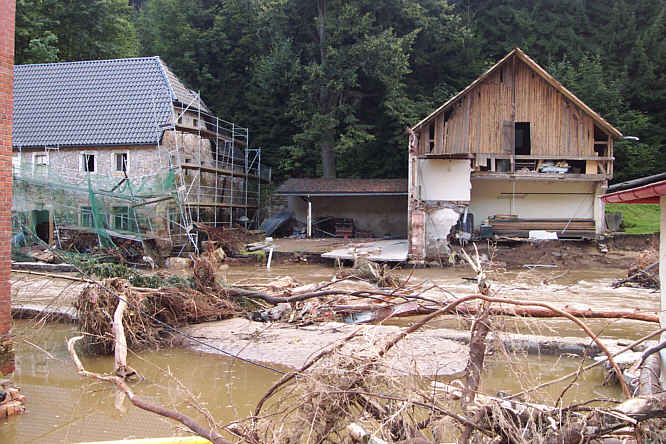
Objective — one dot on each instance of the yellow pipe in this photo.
(173, 440)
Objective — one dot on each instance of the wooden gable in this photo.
(515, 102)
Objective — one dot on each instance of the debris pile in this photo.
(12, 401)
(642, 273)
(149, 313)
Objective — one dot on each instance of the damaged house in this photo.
(513, 152)
(123, 150)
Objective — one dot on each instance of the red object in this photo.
(7, 11)
(645, 194)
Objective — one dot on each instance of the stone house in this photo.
(513, 152)
(122, 148)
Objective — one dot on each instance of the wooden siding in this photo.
(475, 123)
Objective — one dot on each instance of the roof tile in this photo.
(99, 102)
(343, 186)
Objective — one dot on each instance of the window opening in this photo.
(523, 139)
(86, 217)
(88, 162)
(121, 162)
(124, 219)
(431, 136)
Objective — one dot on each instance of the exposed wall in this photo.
(439, 189)
(475, 123)
(7, 14)
(442, 179)
(532, 199)
(66, 162)
(380, 215)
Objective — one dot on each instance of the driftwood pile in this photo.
(342, 397)
(148, 314)
(642, 273)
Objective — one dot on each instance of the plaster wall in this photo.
(444, 179)
(438, 224)
(380, 215)
(532, 199)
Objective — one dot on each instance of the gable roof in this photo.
(94, 103)
(517, 52)
(342, 187)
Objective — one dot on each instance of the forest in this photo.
(328, 87)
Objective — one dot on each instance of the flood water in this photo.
(63, 407)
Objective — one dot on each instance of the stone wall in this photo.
(7, 13)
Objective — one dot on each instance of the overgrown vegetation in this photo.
(637, 219)
(101, 268)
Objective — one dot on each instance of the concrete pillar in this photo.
(600, 208)
(7, 16)
(662, 279)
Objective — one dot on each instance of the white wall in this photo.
(444, 179)
(557, 200)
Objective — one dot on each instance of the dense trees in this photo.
(65, 30)
(327, 87)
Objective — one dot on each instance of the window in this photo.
(121, 162)
(195, 123)
(86, 217)
(88, 163)
(523, 139)
(124, 219)
(16, 161)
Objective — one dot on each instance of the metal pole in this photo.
(309, 218)
(247, 167)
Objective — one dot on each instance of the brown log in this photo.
(534, 312)
(648, 381)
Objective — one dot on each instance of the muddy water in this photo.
(65, 408)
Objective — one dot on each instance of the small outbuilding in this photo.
(349, 207)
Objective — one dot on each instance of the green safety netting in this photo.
(106, 205)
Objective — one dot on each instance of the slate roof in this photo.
(94, 103)
(350, 187)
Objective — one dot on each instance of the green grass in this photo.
(637, 218)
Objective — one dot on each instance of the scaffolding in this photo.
(205, 171)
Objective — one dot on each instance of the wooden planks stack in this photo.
(344, 227)
(513, 226)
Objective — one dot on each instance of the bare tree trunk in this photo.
(328, 137)
(327, 158)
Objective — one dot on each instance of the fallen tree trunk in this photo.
(473, 309)
(468, 309)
